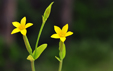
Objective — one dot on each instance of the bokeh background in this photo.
(90, 48)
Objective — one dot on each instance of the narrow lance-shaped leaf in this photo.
(47, 12)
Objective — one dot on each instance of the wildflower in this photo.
(61, 33)
(21, 27)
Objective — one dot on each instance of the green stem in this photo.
(32, 66)
(39, 35)
(61, 62)
(60, 65)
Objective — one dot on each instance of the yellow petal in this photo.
(57, 29)
(69, 33)
(16, 30)
(62, 39)
(65, 28)
(23, 20)
(55, 36)
(30, 58)
(28, 25)
(16, 24)
(23, 32)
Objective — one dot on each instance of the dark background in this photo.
(90, 48)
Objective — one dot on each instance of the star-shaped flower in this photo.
(21, 27)
(62, 34)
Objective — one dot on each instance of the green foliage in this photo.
(91, 20)
(44, 18)
(39, 50)
(62, 53)
(28, 47)
(57, 58)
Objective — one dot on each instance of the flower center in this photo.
(21, 27)
(62, 34)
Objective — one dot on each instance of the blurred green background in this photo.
(90, 48)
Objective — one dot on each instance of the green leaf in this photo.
(62, 53)
(64, 50)
(39, 51)
(30, 58)
(57, 58)
(47, 12)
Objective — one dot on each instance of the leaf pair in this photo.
(37, 52)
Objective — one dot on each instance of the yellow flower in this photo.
(62, 34)
(21, 27)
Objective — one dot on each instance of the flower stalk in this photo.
(22, 28)
(27, 44)
(44, 19)
(32, 66)
(39, 34)
(60, 65)
(61, 34)
(61, 53)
